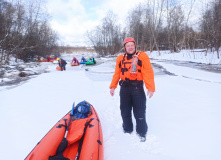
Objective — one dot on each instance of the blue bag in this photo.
(82, 110)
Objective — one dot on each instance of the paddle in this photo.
(64, 143)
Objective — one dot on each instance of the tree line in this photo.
(25, 31)
(160, 25)
(154, 24)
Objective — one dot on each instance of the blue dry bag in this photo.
(82, 110)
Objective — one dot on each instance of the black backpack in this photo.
(94, 61)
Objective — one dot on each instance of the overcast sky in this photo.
(72, 18)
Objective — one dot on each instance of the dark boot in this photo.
(141, 127)
(142, 138)
(127, 129)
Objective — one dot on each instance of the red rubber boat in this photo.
(84, 136)
(74, 64)
(58, 68)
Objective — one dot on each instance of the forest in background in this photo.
(25, 32)
(161, 25)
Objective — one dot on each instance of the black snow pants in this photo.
(63, 66)
(132, 97)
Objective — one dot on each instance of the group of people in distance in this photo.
(62, 63)
(48, 59)
(74, 60)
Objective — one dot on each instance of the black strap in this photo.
(82, 138)
(124, 69)
(131, 82)
(63, 125)
(58, 157)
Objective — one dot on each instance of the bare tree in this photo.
(6, 14)
(145, 24)
(135, 25)
(155, 10)
(24, 30)
(175, 27)
(106, 38)
(211, 25)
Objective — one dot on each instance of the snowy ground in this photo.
(183, 115)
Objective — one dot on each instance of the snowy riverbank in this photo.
(183, 116)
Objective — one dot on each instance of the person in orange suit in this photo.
(133, 69)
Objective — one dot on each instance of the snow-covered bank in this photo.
(191, 73)
(197, 56)
(183, 115)
(10, 74)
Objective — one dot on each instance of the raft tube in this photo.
(85, 134)
(74, 64)
(59, 68)
(89, 63)
(44, 60)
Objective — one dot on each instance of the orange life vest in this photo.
(127, 65)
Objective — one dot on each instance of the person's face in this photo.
(130, 47)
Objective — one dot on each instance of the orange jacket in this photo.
(144, 71)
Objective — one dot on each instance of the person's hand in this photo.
(112, 91)
(150, 93)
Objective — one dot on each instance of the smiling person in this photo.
(133, 68)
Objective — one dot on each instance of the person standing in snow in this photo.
(62, 63)
(133, 68)
(74, 60)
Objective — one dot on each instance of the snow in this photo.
(191, 73)
(183, 116)
(188, 55)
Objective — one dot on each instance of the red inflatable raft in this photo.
(74, 64)
(59, 68)
(84, 136)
